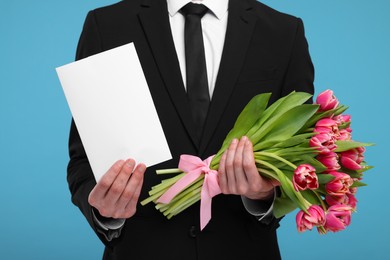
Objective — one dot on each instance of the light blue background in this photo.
(349, 43)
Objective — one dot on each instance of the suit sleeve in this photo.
(299, 75)
(79, 173)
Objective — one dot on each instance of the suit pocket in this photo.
(257, 75)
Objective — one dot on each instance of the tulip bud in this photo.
(344, 135)
(327, 126)
(316, 217)
(346, 199)
(338, 217)
(327, 100)
(324, 143)
(305, 178)
(352, 159)
(339, 185)
(329, 160)
(342, 119)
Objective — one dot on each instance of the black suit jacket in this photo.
(264, 51)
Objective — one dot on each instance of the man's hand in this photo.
(238, 172)
(117, 192)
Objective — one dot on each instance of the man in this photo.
(249, 49)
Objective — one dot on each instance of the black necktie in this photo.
(197, 86)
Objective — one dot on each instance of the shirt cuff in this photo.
(260, 209)
(109, 227)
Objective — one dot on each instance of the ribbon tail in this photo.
(180, 185)
(209, 190)
(205, 208)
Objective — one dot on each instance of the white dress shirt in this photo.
(214, 24)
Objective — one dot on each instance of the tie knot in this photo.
(194, 9)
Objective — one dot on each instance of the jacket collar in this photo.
(217, 7)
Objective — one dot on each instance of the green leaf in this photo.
(290, 142)
(287, 187)
(295, 149)
(315, 163)
(298, 151)
(320, 115)
(289, 174)
(348, 145)
(365, 168)
(294, 140)
(275, 111)
(344, 125)
(339, 110)
(352, 174)
(279, 107)
(310, 196)
(265, 145)
(358, 184)
(283, 206)
(265, 116)
(249, 115)
(287, 124)
(325, 178)
(245, 121)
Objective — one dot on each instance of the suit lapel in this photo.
(154, 20)
(239, 32)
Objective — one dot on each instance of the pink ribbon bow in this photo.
(194, 167)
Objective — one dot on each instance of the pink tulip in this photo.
(305, 178)
(324, 143)
(346, 199)
(352, 159)
(329, 160)
(327, 126)
(352, 201)
(316, 217)
(341, 119)
(327, 100)
(353, 190)
(344, 135)
(336, 200)
(338, 217)
(339, 185)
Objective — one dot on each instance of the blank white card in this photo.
(113, 109)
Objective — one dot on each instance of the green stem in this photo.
(277, 158)
(159, 189)
(167, 183)
(183, 201)
(287, 186)
(268, 173)
(198, 183)
(193, 200)
(168, 171)
(322, 230)
(152, 198)
(321, 201)
(185, 205)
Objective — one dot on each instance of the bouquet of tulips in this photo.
(306, 148)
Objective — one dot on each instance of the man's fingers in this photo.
(101, 188)
(120, 182)
(222, 175)
(248, 163)
(229, 166)
(239, 170)
(138, 176)
(130, 192)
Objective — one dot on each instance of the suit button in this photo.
(192, 232)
